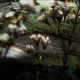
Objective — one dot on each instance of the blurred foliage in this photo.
(34, 26)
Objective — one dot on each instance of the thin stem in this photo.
(74, 24)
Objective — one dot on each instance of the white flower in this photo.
(39, 36)
(45, 40)
(9, 14)
(30, 48)
(33, 36)
(4, 37)
(12, 27)
(26, 2)
(36, 36)
(60, 12)
(48, 40)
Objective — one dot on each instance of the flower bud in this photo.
(39, 36)
(43, 39)
(30, 48)
(60, 12)
(33, 36)
(47, 39)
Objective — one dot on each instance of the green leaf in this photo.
(51, 22)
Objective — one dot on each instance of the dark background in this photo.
(6, 0)
(12, 70)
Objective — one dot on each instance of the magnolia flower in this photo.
(60, 12)
(30, 48)
(36, 36)
(40, 41)
(9, 14)
(4, 37)
(45, 40)
(33, 36)
(12, 27)
(39, 37)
